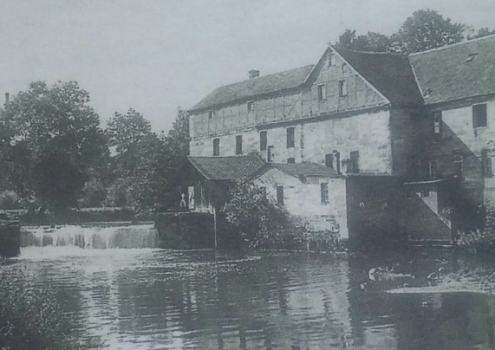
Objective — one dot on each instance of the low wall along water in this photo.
(96, 237)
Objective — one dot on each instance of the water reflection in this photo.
(160, 299)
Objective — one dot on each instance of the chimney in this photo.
(7, 98)
(254, 73)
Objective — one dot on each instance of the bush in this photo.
(481, 240)
(9, 200)
(94, 194)
(254, 220)
(119, 195)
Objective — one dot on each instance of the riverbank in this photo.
(468, 280)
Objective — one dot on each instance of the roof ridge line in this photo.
(371, 52)
(452, 45)
(266, 75)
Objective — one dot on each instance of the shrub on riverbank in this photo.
(253, 221)
(253, 218)
(482, 240)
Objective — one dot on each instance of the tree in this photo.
(146, 167)
(126, 130)
(178, 137)
(484, 31)
(424, 30)
(427, 29)
(125, 133)
(55, 139)
(256, 219)
(374, 42)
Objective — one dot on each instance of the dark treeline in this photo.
(424, 30)
(55, 154)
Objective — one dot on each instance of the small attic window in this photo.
(331, 59)
(250, 106)
(471, 57)
(211, 114)
(427, 92)
(344, 68)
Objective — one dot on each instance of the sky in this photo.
(157, 55)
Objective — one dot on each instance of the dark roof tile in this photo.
(254, 87)
(227, 168)
(389, 73)
(457, 71)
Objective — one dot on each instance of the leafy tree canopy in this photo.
(54, 139)
(256, 218)
(427, 29)
(126, 130)
(424, 30)
(146, 166)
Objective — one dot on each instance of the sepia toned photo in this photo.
(244, 175)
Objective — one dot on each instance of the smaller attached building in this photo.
(209, 179)
(312, 193)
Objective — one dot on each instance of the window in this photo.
(432, 169)
(331, 59)
(238, 144)
(263, 141)
(344, 68)
(337, 161)
(280, 194)
(342, 88)
(324, 192)
(329, 160)
(354, 162)
(216, 147)
(290, 137)
(437, 122)
(269, 154)
(211, 114)
(425, 192)
(479, 116)
(250, 106)
(458, 160)
(291, 160)
(322, 92)
(486, 163)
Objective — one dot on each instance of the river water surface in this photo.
(148, 298)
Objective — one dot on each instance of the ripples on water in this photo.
(148, 298)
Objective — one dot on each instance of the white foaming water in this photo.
(134, 236)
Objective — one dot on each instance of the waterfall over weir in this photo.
(134, 236)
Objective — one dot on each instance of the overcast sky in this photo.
(154, 56)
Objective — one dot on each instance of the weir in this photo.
(135, 236)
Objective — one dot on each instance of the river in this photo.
(149, 298)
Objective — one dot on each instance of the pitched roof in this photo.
(305, 169)
(389, 73)
(226, 168)
(251, 88)
(457, 71)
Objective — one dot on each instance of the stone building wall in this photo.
(303, 200)
(322, 96)
(460, 145)
(367, 133)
